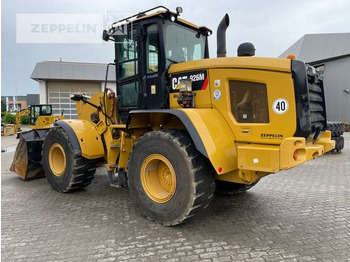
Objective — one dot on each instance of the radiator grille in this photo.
(316, 104)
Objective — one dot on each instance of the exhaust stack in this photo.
(221, 36)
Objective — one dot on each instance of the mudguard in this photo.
(84, 137)
(209, 132)
(216, 137)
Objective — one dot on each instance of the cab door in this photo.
(154, 67)
(127, 70)
(34, 114)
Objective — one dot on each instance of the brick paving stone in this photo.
(273, 258)
(190, 258)
(209, 255)
(290, 260)
(255, 259)
(296, 215)
(222, 259)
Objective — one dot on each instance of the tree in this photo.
(3, 106)
(24, 120)
(9, 118)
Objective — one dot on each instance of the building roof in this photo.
(318, 48)
(59, 70)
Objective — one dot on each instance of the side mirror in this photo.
(105, 35)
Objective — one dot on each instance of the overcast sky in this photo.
(272, 26)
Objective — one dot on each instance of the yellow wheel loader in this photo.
(182, 124)
(27, 157)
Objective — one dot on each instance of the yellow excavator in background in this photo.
(40, 116)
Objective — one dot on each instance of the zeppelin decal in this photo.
(271, 136)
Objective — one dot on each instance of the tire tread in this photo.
(81, 175)
(203, 183)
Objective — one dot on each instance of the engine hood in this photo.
(257, 63)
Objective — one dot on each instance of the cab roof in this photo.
(143, 15)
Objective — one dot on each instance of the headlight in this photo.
(186, 96)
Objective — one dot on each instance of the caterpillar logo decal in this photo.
(199, 80)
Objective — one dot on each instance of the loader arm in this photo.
(19, 114)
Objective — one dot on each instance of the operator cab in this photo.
(145, 47)
(39, 110)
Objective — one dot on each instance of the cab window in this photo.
(183, 44)
(46, 110)
(126, 49)
(152, 48)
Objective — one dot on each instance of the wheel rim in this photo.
(158, 178)
(57, 159)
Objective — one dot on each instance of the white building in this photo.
(329, 53)
(58, 80)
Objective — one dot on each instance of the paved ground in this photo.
(299, 215)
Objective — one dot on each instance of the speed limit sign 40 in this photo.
(280, 106)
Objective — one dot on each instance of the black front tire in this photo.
(194, 178)
(76, 172)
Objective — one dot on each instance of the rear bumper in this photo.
(292, 152)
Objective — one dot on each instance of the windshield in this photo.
(183, 44)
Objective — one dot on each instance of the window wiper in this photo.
(173, 61)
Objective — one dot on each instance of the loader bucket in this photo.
(27, 159)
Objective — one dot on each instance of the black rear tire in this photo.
(339, 143)
(230, 188)
(337, 129)
(192, 177)
(65, 170)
